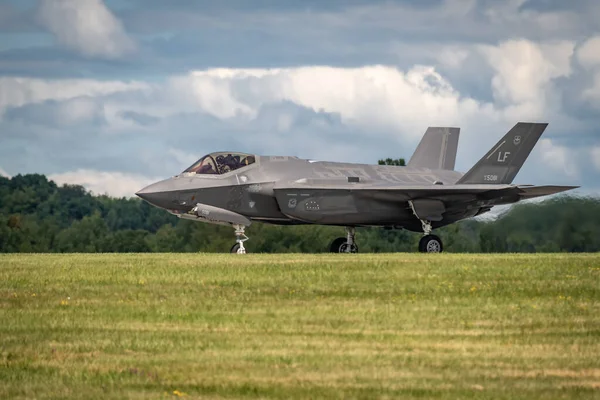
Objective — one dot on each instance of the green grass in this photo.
(300, 326)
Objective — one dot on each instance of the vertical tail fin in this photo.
(437, 149)
(502, 163)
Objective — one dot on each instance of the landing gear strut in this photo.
(240, 238)
(429, 243)
(345, 244)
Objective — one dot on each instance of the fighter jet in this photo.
(236, 189)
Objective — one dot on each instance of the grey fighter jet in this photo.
(236, 189)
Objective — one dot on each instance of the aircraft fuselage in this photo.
(289, 190)
(236, 189)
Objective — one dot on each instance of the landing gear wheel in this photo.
(235, 249)
(337, 244)
(340, 245)
(349, 248)
(430, 244)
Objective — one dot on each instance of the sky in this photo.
(116, 94)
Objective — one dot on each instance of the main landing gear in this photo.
(429, 243)
(240, 238)
(345, 244)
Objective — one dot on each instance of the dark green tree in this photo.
(393, 161)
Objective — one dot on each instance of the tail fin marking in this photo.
(503, 162)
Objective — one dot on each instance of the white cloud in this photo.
(453, 56)
(86, 26)
(591, 94)
(15, 92)
(4, 173)
(524, 72)
(371, 96)
(384, 101)
(212, 93)
(381, 101)
(511, 16)
(80, 112)
(386, 97)
(558, 158)
(588, 54)
(116, 184)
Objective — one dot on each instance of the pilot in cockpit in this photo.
(206, 169)
(203, 166)
(220, 163)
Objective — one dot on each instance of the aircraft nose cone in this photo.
(156, 193)
(149, 196)
(145, 192)
(142, 195)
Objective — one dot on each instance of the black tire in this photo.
(337, 244)
(431, 244)
(235, 248)
(340, 244)
(344, 248)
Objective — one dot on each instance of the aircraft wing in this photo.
(411, 192)
(530, 192)
(451, 192)
(306, 198)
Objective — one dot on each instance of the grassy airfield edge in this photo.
(297, 326)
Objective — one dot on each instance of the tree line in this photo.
(36, 215)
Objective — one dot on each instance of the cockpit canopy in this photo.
(220, 163)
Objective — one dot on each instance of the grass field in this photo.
(300, 326)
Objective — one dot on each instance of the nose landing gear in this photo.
(240, 238)
(345, 244)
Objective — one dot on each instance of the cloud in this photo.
(380, 97)
(174, 37)
(385, 102)
(116, 184)
(16, 92)
(387, 97)
(357, 114)
(444, 19)
(79, 111)
(595, 154)
(558, 158)
(86, 26)
(15, 19)
(523, 74)
(139, 118)
(591, 94)
(4, 173)
(452, 56)
(588, 54)
(182, 157)
(338, 80)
